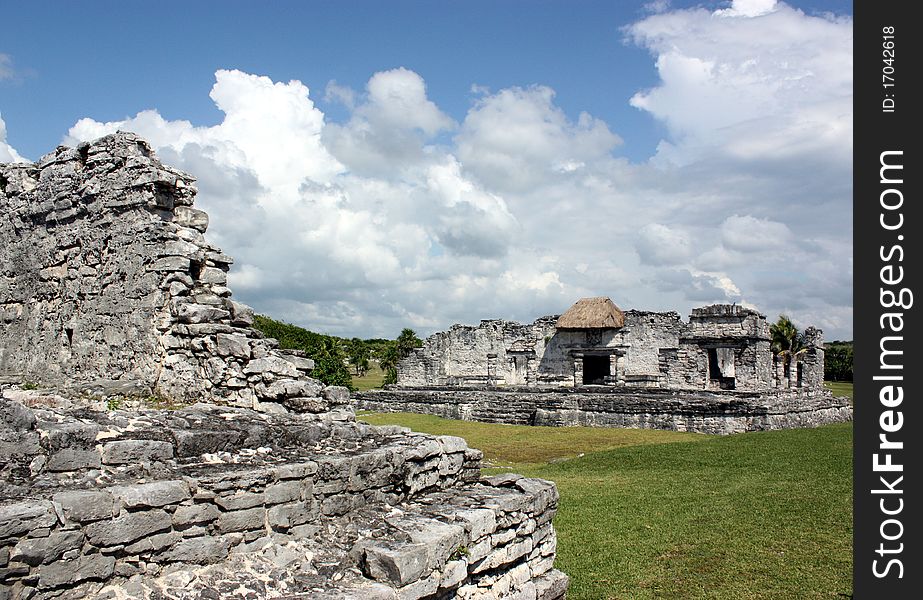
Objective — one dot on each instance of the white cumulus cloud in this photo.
(8, 154)
(398, 215)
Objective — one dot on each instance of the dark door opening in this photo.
(715, 373)
(595, 369)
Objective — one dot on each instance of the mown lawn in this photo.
(372, 379)
(840, 388)
(523, 446)
(651, 514)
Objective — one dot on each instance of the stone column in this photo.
(578, 370)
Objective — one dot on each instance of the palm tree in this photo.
(787, 341)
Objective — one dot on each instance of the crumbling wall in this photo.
(646, 333)
(134, 504)
(481, 355)
(651, 408)
(106, 276)
(738, 330)
(652, 349)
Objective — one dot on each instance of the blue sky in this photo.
(695, 159)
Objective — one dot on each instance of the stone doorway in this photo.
(721, 372)
(595, 369)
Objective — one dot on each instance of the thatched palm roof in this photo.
(592, 313)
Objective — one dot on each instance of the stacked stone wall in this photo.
(118, 500)
(679, 410)
(645, 334)
(107, 280)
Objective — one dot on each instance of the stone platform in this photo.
(222, 502)
(650, 408)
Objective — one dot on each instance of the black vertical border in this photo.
(877, 131)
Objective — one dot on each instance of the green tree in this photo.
(787, 341)
(325, 350)
(397, 351)
(407, 341)
(387, 360)
(330, 364)
(838, 361)
(359, 353)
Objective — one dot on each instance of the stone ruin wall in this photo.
(108, 285)
(720, 413)
(212, 500)
(663, 375)
(106, 279)
(653, 349)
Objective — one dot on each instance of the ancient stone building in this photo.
(598, 365)
(106, 280)
(722, 347)
(267, 486)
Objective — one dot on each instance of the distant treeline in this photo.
(334, 356)
(838, 358)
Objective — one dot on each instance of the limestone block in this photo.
(233, 345)
(199, 550)
(213, 276)
(35, 551)
(298, 470)
(302, 364)
(200, 313)
(478, 522)
(153, 543)
(551, 586)
(286, 491)
(290, 388)
(70, 572)
(73, 459)
(453, 574)
(194, 515)
(193, 218)
(423, 588)
(170, 263)
(127, 528)
(443, 539)
(241, 520)
(271, 364)
(158, 493)
(290, 515)
(451, 443)
(336, 395)
(241, 314)
(307, 405)
(398, 564)
(123, 452)
(84, 506)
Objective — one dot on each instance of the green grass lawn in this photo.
(523, 446)
(840, 388)
(654, 514)
(371, 380)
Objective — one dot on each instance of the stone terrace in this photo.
(206, 499)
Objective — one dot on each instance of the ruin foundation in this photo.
(703, 412)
